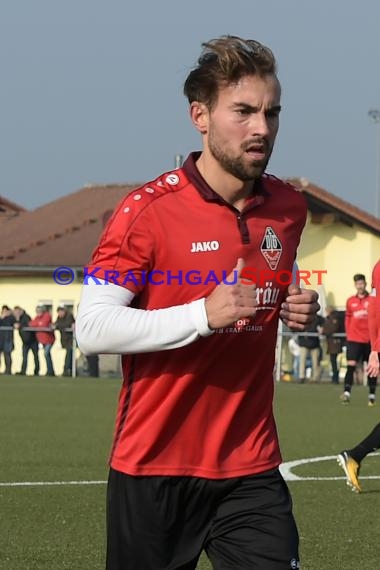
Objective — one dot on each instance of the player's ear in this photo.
(199, 115)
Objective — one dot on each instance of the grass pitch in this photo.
(59, 430)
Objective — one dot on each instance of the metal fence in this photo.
(281, 348)
(284, 334)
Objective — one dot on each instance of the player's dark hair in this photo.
(359, 277)
(223, 61)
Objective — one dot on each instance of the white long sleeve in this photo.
(107, 325)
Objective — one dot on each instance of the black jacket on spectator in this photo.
(28, 337)
(330, 327)
(311, 341)
(62, 323)
(6, 337)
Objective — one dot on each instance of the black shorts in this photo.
(358, 351)
(164, 523)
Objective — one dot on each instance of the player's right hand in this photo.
(230, 302)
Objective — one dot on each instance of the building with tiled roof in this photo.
(340, 239)
(9, 209)
(326, 208)
(62, 232)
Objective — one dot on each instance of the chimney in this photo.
(178, 161)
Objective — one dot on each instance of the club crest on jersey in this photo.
(271, 248)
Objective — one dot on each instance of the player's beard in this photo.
(244, 170)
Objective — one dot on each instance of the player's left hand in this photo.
(373, 364)
(300, 308)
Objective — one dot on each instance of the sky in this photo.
(91, 90)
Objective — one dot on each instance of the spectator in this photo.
(294, 349)
(29, 340)
(334, 344)
(310, 345)
(65, 325)
(6, 337)
(42, 320)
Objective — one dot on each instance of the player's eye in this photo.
(272, 113)
(244, 112)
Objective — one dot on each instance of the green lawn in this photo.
(59, 430)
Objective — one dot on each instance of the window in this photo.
(48, 303)
(68, 303)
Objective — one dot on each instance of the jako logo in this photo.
(204, 246)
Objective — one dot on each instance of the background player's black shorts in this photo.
(358, 351)
(163, 523)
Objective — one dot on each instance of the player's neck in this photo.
(230, 188)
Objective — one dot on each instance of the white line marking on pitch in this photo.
(50, 483)
(286, 469)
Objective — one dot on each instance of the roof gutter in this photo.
(40, 268)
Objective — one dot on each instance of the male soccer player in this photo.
(194, 462)
(350, 459)
(358, 342)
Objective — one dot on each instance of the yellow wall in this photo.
(342, 251)
(28, 292)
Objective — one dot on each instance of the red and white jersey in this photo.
(204, 409)
(374, 309)
(356, 319)
(43, 321)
